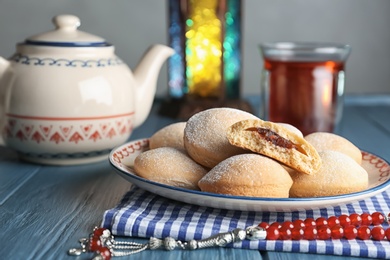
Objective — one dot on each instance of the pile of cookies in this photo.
(229, 151)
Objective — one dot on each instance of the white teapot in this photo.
(66, 98)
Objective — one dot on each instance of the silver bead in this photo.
(169, 243)
(193, 244)
(155, 243)
(106, 234)
(83, 241)
(75, 251)
(238, 235)
(387, 218)
(98, 257)
(256, 233)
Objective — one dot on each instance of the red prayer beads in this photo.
(309, 222)
(344, 220)
(310, 233)
(344, 226)
(337, 232)
(285, 233)
(299, 223)
(377, 233)
(350, 232)
(387, 234)
(366, 219)
(332, 221)
(324, 232)
(296, 233)
(377, 218)
(356, 219)
(264, 225)
(364, 232)
(96, 245)
(272, 233)
(321, 222)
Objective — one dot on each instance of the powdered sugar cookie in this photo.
(248, 175)
(205, 135)
(169, 166)
(339, 174)
(328, 141)
(169, 136)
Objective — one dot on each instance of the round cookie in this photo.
(251, 175)
(169, 136)
(328, 141)
(205, 135)
(169, 166)
(339, 174)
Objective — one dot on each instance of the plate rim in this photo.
(375, 190)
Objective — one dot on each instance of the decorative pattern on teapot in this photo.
(27, 60)
(68, 131)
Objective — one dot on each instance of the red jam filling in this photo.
(276, 139)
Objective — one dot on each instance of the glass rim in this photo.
(304, 45)
(305, 50)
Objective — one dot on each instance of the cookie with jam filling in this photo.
(277, 142)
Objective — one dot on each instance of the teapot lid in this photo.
(66, 35)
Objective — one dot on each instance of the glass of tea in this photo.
(302, 84)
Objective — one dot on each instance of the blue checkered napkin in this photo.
(144, 214)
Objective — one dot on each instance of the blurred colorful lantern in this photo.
(206, 35)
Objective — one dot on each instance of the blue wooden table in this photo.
(44, 210)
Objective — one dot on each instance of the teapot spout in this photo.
(146, 74)
(4, 65)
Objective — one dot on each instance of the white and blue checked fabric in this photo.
(144, 214)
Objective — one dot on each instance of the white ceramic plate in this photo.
(122, 158)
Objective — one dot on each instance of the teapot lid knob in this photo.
(66, 22)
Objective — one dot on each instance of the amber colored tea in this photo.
(304, 94)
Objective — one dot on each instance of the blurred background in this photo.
(134, 25)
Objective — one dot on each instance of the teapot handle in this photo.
(7, 77)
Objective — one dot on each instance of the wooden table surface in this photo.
(44, 210)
